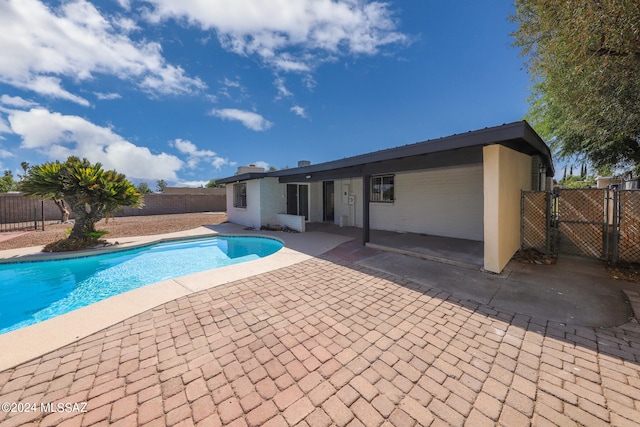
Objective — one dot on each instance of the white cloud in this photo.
(41, 46)
(298, 110)
(283, 92)
(195, 156)
(107, 96)
(125, 4)
(249, 119)
(262, 164)
(59, 136)
(16, 101)
(4, 127)
(289, 35)
(5, 154)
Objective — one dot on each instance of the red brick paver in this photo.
(322, 343)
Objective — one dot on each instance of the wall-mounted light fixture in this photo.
(308, 176)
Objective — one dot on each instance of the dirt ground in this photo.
(118, 227)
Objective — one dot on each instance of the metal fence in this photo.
(19, 213)
(597, 223)
(536, 216)
(628, 224)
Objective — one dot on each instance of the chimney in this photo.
(303, 163)
(252, 168)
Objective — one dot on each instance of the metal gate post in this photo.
(616, 225)
(607, 227)
(547, 222)
(521, 219)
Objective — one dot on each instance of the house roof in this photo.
(452, 150)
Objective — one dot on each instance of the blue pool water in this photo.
(31, 292)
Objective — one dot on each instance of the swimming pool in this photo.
(34, 291)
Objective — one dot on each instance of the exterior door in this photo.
(298, 200)
(328, 201)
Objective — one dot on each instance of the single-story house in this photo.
(462, 186)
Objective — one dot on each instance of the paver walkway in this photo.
(323, 343)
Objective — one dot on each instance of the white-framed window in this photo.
(240, 195)
(382, 188)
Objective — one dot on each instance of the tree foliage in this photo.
(143, 188)
(584, 58)
(212, 184)
(161, 185)
(7, 183)
(90, 191)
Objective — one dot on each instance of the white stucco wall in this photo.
(272, 200)
(342, 208)
(249, 216)
(441, 202)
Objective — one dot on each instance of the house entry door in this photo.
(328, 201)
(298, 200)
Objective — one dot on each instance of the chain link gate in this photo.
(597, 223)
(584, 222)
(536, 221)
(627, 240)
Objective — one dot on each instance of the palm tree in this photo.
(90, 191)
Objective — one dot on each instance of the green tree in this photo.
(573, 181)
(7, 183)
(212, 184)
(90, 191)
(143, 188)
(161, 185)
(25, 168)
(584, 58)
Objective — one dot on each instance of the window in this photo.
(382, 188)
(240, 195)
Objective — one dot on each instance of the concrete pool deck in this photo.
(35, 340)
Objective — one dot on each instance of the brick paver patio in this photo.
(323, 343)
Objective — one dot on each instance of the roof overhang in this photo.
(453, 150)
(242, 177)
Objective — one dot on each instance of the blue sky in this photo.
(188, 90)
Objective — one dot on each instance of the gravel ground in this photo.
(118, 227)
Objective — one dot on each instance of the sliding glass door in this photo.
(298, 200)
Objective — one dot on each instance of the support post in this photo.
(366, 192)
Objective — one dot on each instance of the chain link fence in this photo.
(535, 220)
(629, 226)
(597, 223)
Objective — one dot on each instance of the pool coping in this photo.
(33, 341)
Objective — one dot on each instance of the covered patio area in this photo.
(447, 250)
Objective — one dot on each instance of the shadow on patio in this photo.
(458, 252)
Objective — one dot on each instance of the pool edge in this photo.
(34, 341)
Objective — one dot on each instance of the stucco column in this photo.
(506, 173)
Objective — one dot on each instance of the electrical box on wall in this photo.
(346, 189)
(352, 200)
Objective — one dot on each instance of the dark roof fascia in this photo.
(242, 177)
(518, 136)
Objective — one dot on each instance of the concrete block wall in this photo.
(12, 206)
(294, 222)
(272, 200)
(441, 202)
